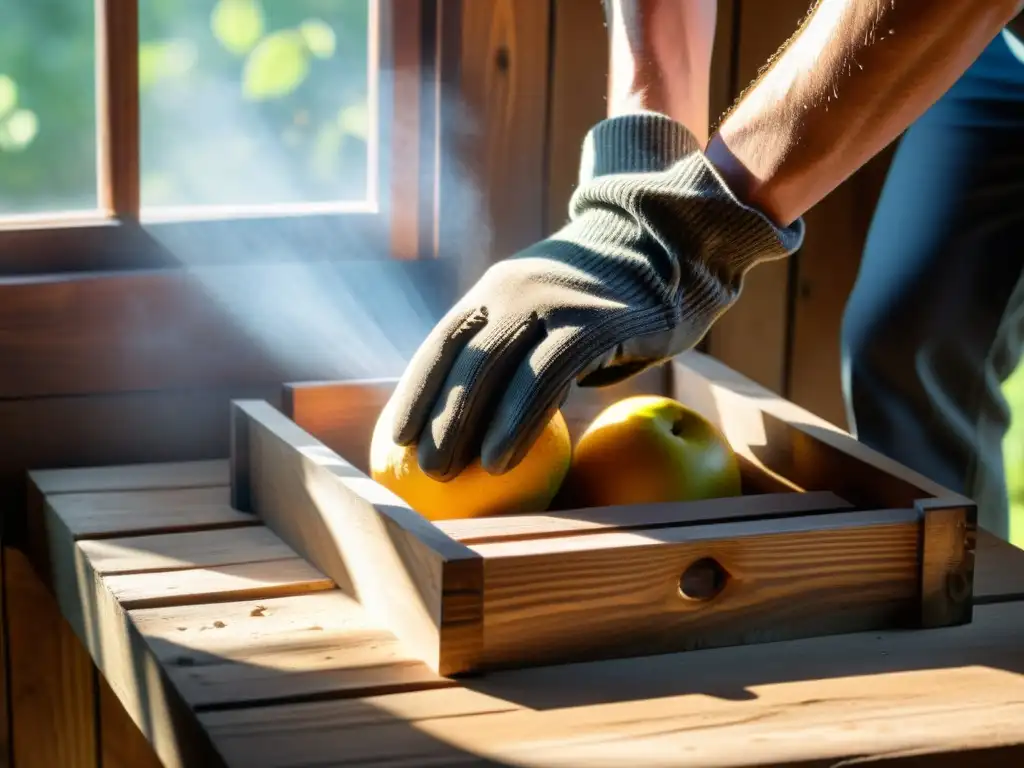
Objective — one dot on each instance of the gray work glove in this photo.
(655, 251)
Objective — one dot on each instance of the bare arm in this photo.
(661, 59)
(854, 76)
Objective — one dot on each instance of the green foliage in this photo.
(240, 102)
(237, 24)
(276, 67)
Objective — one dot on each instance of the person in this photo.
(663, 227)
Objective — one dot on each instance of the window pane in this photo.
(47, 106)
(253, 102)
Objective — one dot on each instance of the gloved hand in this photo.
(655, 251)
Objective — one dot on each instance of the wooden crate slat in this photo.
(886, 694)
(180, 551)
(613, 594)
(280, 649)
(125, 513)
(252, 580)
(795, 443)
(603, 519)
(134, 477)
(421, 584)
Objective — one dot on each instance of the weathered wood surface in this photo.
(310, 680)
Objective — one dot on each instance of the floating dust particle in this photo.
(259, 610)
(316, 628)
(182, 629)
(219, 624)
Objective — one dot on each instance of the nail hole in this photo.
(703, 580)
(501, 59)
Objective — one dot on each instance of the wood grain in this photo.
(124, 513)
(578, 83)
(497, 161)
(197, 328)
(947, 563)
(134, 477)
(181, 551)
(418, 582)
(122, 744)
(602, 519)
(51, 676)
(795, 443)
(882, 696)
(245, 581)
(281, 649)
(617, 594)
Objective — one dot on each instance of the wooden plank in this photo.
(618, 594)
(499, 154)
(418, 582)
(245, 581)
(51, 676)
(603, 519)
(124, 513)
(134, 477)
(282, 649)
(882, 697)
(122, 744)
(947, 563)
(110, 431)
(5, 691)
(180, 551)
(795, 443)
(579, 85)
(999, 570)
(211, 327)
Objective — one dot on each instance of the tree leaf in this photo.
(8, 94)
(237, 24)
(275, 67)
(354, 120)
(319, 37)
(18, 130)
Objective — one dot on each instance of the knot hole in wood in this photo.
(703, 580)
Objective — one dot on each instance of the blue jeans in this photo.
(935, 322)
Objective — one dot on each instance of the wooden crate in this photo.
(828, 537)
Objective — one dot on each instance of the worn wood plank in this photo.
(122, 744)
(134, 477)
(500, 156)
(883, 696)
(795, 443)
(51, 684)
(602, 519)
(617, 594)
(180, 551)
(124, 513)
(279, 649)
(417, 581)
(253, 580)
(579, 85)
(209, 327)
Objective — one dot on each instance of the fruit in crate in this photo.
(528, 488)
(647, 449)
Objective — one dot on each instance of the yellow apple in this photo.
(646, 449)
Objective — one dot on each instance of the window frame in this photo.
(409, 41)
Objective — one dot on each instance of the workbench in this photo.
(226, 648)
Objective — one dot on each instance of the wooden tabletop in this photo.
(226, 648)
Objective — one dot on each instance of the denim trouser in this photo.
(935, 322)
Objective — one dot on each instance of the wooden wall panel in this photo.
(752, 336)
(579, 65)
(494, 176)
(836, 231)
(51, 676)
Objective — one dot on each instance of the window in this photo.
(145, 133)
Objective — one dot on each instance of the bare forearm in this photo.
(848, 83)
(661, 58)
